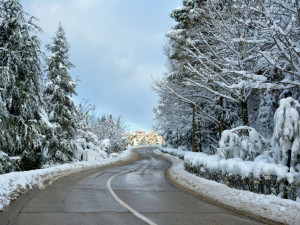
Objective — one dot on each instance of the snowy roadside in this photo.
(16, 183)
(266, 206)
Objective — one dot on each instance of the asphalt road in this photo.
(137, 193)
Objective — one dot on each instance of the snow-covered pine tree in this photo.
(22, 116)
(58, 92)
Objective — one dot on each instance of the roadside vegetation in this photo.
(231, 93)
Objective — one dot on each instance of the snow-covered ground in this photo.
(267, 206)
(16, 183)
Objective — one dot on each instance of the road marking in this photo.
(134, 212)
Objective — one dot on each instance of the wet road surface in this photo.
(137, 193)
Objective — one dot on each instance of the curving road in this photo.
(137, 193)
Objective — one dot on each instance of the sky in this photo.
(117, 48)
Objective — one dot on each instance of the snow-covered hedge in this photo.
(262, 175)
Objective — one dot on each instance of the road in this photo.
(137, 193)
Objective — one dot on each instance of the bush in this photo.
(242, 142)
(287, 132)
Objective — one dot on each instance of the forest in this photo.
(40, 124)
(231, 91)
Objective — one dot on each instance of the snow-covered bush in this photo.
(88, 151)
(287, 131)
(242, 142)
(105, 145)
(90, 155)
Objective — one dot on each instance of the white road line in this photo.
(134, 212)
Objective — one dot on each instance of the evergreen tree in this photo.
(22, 119)
(58, 93)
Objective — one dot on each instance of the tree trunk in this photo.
(199, 136)
(221, 126)
(288, 164)
(177, 138)
(194, 130)
(180, 140)
(244, 108)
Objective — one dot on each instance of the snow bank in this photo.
(15, 183)
(266, 206)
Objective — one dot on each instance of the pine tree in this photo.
(21, 116)
(58, 93)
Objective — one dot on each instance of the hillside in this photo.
(141, 137)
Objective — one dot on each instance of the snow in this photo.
(105, 144)
(266, 206)
(263, 165)
(16, 183)
(241, 142)
(88, 151)
(287, 127)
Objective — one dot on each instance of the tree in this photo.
(112, 129)
(58, 92)
(232, 61)
(287, 132)
(279, 23)
(85, 121)
(22, 115)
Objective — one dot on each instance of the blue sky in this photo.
(117, 47)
